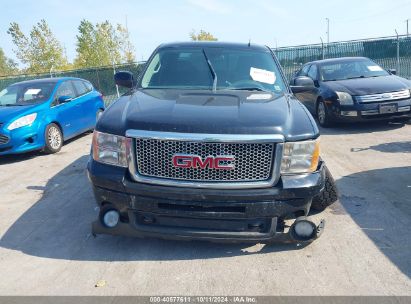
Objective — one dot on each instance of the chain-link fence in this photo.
(101, 77)
(389, 52)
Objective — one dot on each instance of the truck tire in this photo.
(328, 196)
(53, 139)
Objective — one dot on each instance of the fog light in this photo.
(111, 218)
(304, 229)
(349, 113)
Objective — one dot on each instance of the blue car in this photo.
(42, 114)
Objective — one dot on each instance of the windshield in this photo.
(350, 69)
(234, 69)
(27, 93)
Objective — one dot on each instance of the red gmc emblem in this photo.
(210, 162)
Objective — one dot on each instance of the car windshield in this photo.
(26, 93)
(223, 68)
(350, 69)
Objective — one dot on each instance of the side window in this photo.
(312, 73)
(151, 75)
(88, 86)
(80, 87)
(65, 89)
(304, 70)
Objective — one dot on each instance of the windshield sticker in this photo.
(32, 91)
(374, 68)
(259, 97)
(262, 75)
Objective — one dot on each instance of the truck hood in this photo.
(372, 85)
(223, 112)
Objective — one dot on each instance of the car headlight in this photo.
(111, 149)
(300, 157)
(345, 99)
(22, 121)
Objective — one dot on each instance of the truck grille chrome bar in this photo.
(256, 159)
(404, 94)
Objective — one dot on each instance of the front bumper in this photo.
(241, 215)
(371, 111)
(21, 140)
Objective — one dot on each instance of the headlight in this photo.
(344, 98)
(22, 121)
(111, 149)
(300, 157)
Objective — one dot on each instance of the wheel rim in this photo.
(54, 137)
(321, 112)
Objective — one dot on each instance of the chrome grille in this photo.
(383, 96)
(4, 139)
(253, 161)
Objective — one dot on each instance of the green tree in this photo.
(40, 51)
(87, 54)
(102, 44)
(127, 48)
(202, 36)
(7, 65)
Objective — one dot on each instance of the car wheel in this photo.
(53, 139)
(323, 116)
(328, 196)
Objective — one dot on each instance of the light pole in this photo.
(322, 47)
(328, 30)
(398, 52)
(406, 21)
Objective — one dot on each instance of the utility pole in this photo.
(406, 21)
(328, 30)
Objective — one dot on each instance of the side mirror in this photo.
(124, 79)
(304, 81)
(392, 71)
(302, 84)
(64, 99)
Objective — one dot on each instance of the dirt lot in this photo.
(46, 207)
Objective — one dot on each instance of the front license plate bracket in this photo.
(388, 108)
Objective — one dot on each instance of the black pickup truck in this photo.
(209, 143)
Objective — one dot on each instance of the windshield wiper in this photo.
(249, 89)
(12, 105)
(212, 71)
(362, 76)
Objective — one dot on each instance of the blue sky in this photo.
(268, 22)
